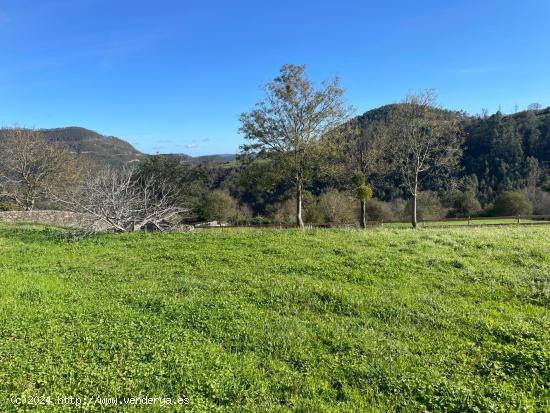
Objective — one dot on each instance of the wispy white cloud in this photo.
(191, 146)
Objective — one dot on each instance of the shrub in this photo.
(464, 204)
(512, 203)
(428, 206)
(218, 206)
(285, 212)
(243, 216)
(398, 207)
(335, 207)
(7, 206)
(379, 211)
(541, 201)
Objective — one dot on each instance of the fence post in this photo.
(469, 219)
(518, 219)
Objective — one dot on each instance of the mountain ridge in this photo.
(104, 149)
(112, 150)
(99, 148)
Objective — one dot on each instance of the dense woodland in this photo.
(330, 168)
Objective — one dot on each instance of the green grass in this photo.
(438, 319)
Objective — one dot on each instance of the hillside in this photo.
(500, 152)
(100, 148)
(115, 151)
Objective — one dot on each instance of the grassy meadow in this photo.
(385, 320)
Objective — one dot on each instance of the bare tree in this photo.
(289, 122)
(121, 201)
(484, 113)
(424, 142)
(32, 167)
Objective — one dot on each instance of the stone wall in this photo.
(57, 218)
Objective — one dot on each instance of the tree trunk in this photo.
(363, 214)
(299, 221)
(413, 217)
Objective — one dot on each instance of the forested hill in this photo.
(505, 152)
(501, 152)
(99, 148)
(382, 114)
(113, 150)
(110, 150)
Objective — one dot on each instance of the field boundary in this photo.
(444, 222)
(81, 221)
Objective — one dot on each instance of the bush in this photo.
(379, 211)
(244, 216)
(464, 204)
(512, 204)
(541, 201)
(7, 206)
(398, 207)
(335, 207)
(331, 207)
(428, 206)
(284, 212)
(218, 206)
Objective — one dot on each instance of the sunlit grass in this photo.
(438, 319)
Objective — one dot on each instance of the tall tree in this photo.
(425, 143)
(288, 124)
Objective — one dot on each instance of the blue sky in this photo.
(173, 76)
